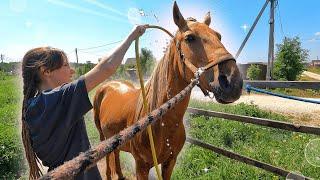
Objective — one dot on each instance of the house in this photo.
(130, 61)
(315, 63)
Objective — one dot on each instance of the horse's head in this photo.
(198, 45)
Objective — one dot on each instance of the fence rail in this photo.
(258, 121)
(244, 159)
(284, 84)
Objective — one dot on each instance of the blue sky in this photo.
(82, 24)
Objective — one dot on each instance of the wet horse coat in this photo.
(118, 104)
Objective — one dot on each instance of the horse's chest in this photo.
(171, 142)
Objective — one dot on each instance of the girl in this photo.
(53, 129)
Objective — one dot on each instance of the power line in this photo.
(94, 47)
(279, 15)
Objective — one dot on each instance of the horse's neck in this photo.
(173, 84)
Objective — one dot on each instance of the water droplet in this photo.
(168, 144)
(177, 124)
(205, 169)
(162, 124)
(167, 140)
(171, 152)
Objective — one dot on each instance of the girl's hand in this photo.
(138, 30)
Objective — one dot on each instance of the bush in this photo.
(254, 72)
(147, 61)
(290, 59)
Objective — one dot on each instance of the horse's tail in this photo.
(96, 111)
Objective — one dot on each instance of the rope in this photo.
(88, 159)
(249, 88)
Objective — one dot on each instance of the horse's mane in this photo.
(157, 86)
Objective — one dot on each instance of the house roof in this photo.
(131, 61)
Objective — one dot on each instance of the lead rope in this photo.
(145, 105)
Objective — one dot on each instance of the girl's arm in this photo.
(108, 64)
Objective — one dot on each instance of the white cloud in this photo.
(106, 7)
(317, 34)
(85, 10)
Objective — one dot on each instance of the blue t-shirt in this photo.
(57, 127)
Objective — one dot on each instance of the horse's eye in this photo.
(189, 38)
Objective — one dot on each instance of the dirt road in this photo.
(312, 75)
(301, 112)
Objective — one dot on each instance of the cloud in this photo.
(106, 7)
(315, 39)
(85, 10)
(317, 34)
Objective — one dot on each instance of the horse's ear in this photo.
(207, 19)
(178, 18)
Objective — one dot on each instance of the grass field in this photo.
(11, 157)
(314, 70)
(277, 147)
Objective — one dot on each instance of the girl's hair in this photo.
(50, 59)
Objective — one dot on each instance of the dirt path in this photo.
(301, 112)
(312, 75)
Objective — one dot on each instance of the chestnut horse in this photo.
(117, 105)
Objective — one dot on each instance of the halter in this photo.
(196, 71)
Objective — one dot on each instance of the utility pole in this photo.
(251, 29)
(76, 56)
(271, 42)
(2, 57)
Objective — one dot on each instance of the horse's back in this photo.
(114, 103)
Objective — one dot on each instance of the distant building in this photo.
(130, 61)
(315, 63)
(243, 68)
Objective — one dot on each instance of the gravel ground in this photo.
(301, 112)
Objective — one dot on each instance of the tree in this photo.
(254, 72)
(147, 61)
(289, 59)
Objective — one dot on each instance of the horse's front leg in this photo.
(142, 170)
(167, 168)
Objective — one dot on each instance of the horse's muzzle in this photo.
(227, 87)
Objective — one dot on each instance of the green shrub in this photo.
(290, 59)
(254, 72)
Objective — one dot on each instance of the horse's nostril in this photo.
(223, 81)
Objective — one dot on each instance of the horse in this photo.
(118, 104)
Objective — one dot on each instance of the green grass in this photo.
(11, 151)
(277, 147)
